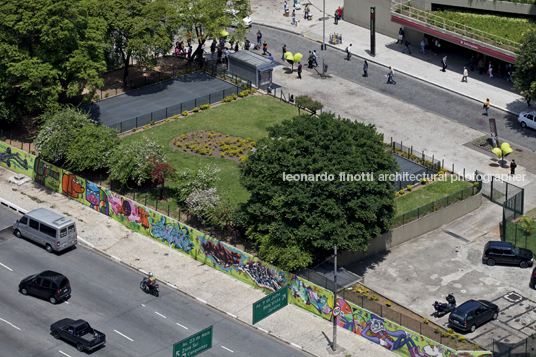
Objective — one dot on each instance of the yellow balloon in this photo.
(497, 151)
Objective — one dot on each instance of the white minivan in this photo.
(47, 228)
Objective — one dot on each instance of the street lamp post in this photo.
(324, 40)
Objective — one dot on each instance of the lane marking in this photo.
(9, 323)
(263, 330)
(5, 266)
(116, 258)
(228, 313)
(184, 327)
(173, 286)
(128, 338)
(203, 301)
(63, 353)
(227, 349)
(295, 345)
(160, 314)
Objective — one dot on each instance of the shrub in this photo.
(253, 90)
(184, 113)
(388, 303)
(106, 95)
(196, 109)
(409, 187)
(167, 119)
(461, 338)
(152, 122)
(426, 321)
(396, 193)
(243, 158)
(175, 117)
(134, 129)
(401, 192)
(222, 155)
(233, 96)
(241, 94)
(437, 330)
(204, 106)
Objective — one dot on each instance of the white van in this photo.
(47, 228)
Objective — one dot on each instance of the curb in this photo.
(383, 65)
(100, 251)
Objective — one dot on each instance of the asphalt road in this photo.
(107, 295)
(407, 89)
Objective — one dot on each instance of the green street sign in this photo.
(194, 345)
(270, 304)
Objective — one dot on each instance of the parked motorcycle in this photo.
(151, 289)
(442, 308)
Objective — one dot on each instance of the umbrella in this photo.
(293, 58)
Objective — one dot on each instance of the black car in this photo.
(78, 333)
(47, 285)
(506, 253)
(473, 313)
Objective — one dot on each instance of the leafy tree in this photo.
(295, 222)
(49, 50)
(189, 181)
(138, 29)
(160, 172)
(223, 215)
(201, 201)
(528, 224)
(304, 101)
(525, 73)
(129, 161)
(9, 114)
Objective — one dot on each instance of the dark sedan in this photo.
(473, 313)
(49, 285)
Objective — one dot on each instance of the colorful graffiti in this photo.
(228, 259)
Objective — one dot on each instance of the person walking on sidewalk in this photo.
(436, 45)
(259, 38)
(407, 43)
(490, 70)
(444, 62)
(465, 74)
(337, 16)
(349, 52)
(265, 48)
(285, 7)
(486, 106)
(400, 36)
(293, 23)
(284, 49)
(299, 70)
(528, 101)
(315, 56)
(306, 12)
(513, 166)
(310, 60)
(365, 69)
(390, 76)
(423, 45)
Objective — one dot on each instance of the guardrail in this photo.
(404, 8)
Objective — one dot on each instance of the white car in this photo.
(527, 119)
(247, 21)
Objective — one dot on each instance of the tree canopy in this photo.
(525, 73)
(49, 50)
(294, 221)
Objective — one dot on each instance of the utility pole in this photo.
(324, 41)
(336, 308)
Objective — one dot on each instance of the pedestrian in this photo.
(400, 36)
(248, 45)
(444, 63)
(509, 72)
(265, 48)
(513, 166)
(227, 53)
(219, 54)
(486, 106)
(490, 70)
(236, 47)
(423, 45)
(285, 7)
(190, 53)
(390, 76)
(310, 60)
(259, 38)
(306, 12)
(212, 48)
(315, 57)
(349, 52)
(436, 45)
(284, 50)
(528, 101)
(337, 17)
(299, 70)
(407, 43)
(339, 10)
(481, 66)
(365, 69)
(293, 23)
(295, 3)
(465, 73)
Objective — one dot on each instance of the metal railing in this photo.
(404, 8)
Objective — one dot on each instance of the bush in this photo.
(134, 129)
(241, 94)
(152, 122)
(401, 192)
(175, 117)
(437, 330)
(396, 193)
(184, 113)
(388, 303)
(233, 96)
(205, 106)
(243, 158)
(426, 321)
(196, 109)
(409, 187)
(222, 155)
(9, 114)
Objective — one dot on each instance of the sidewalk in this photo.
(388, 53)
(292, 324)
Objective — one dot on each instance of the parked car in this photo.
(47, 285)
(473, 313)
(533, 279)
(79, 333)
(506, 253)
(527, 119)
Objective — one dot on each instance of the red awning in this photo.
(462, 42)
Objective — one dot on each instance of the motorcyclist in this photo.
(150, 280)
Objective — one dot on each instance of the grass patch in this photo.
(427, 194)
(247, 118)
(514, 234)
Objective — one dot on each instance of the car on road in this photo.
(473, 313)
(49, 285)
(506, 253)
(79, 333)
(527, 119)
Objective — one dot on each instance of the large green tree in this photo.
(139, 30)
(525, 73)
(295, 222)
(49, 50)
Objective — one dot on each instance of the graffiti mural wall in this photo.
(225, 258)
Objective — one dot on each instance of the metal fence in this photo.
(189, 105)
(499, 191)
(435, 206)
(424, 160)
(525, 348)
(316, 278)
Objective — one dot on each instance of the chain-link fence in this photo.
(499, 191)
(424, 160)
(316, 278)
(525, 348)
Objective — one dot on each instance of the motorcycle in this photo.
(442, 309)
(151, 289)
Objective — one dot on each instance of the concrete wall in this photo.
(358, 12)
(413, 229)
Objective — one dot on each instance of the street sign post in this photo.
(270, 304)
(194, 345)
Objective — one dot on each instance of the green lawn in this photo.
(514, 233)
(247, 118)
(431, 192)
